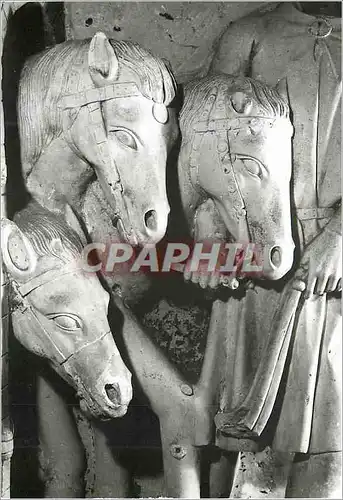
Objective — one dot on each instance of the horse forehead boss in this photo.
(59, 312)
(100, 110)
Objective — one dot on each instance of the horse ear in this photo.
(282, 89)
(74, 223)
(103, 63)
(168, 65)
(18, 254)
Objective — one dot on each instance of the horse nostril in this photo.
(113, 393)
(276, 256)
(150, 219)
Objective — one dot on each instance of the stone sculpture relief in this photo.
(300, 42)
(59, 312)
(241, 104)
(107, 123)
(98, 140)
(234, 187)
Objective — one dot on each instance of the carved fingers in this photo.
(321, 265)
(211, 280)
(204, 279)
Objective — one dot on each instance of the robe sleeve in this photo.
(237, 47)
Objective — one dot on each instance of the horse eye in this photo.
(252, 167)
(125, 138)
(67, 322)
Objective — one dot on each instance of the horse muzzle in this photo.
(113, 393)
(155, 223)
(108, 398)
(146, 226)
(101, 379)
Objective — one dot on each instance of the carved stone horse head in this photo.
(59, 312)
(236, 151)
(100, 109)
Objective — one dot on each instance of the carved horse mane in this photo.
(266, 100)
(55, 73)
(48, 232)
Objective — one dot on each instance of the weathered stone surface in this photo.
(181, 333)
(185, 33)
(261, 475)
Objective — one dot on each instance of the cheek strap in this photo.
(28, 328)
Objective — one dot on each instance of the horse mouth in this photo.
(93, 409)
(120, 410)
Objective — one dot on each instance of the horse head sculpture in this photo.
(109, 103)
(59, 312)
(236, 151)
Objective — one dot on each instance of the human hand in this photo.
(209, 230)
(321, 265)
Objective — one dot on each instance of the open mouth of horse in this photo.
(92, 408)
(104, 404)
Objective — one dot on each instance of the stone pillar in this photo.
(6, 427)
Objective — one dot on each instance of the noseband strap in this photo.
(27, 319)
(92, 99)
(28, 323)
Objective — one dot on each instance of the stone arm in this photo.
(237, 48)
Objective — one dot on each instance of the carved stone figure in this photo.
(227, 160)
(96, 124)
(256, 115)
(234, 183)
(301, 43)
(59, 312)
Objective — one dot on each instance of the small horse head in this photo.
(60, 312)
(110, 100)
(236, 150)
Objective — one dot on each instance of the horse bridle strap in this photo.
(229, 124)
(53, 274)
(28, 323)
(114, 91)
(99, 94)
(28, 319)
(232, 184)
(226, 162)
(31, 322)
(92, 99)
